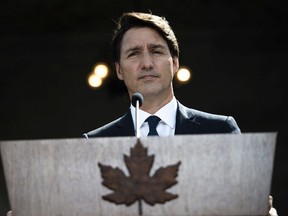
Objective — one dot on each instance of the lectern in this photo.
(185, 175)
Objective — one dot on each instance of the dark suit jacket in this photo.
(188, 121)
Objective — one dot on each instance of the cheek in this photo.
(129, 70)
(127, 75)
(171, 69)
(124, 71)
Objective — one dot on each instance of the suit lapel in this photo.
(185, 121)
(124, 126)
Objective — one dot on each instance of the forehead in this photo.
(141, 36)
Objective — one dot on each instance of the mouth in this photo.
(148, 77)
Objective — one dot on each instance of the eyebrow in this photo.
(155, 46)
(132, 49)
(150, 46)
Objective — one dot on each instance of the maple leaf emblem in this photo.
(139, 185)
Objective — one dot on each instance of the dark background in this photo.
(237, 51)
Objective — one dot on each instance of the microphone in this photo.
(137, 97)
(137, 100)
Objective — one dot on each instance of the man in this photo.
(146, 56)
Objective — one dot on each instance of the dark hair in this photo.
(135, 19)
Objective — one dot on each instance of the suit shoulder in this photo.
(212, 123)
(219, 123)
(103, 131)
(122, 126)
(189, 112)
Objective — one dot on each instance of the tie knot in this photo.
(153, 122)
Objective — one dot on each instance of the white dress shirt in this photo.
(167, 114)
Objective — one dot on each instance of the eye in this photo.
(133, 53)
(157, 51)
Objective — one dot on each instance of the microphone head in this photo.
(137, 96)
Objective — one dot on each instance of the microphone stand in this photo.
(137, 120)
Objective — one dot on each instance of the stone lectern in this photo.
(123, 176)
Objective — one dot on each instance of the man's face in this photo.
(146, 64)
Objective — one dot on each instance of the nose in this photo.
(146, 62)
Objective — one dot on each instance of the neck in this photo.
(153, 104)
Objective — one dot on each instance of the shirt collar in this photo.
(167, 114)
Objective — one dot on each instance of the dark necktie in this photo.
(153, 122)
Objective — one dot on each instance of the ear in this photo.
(118, 71)
(175, 65)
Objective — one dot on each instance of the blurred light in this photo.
(96, 77)
(101, 70)
(94, 81)
(183, 75)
